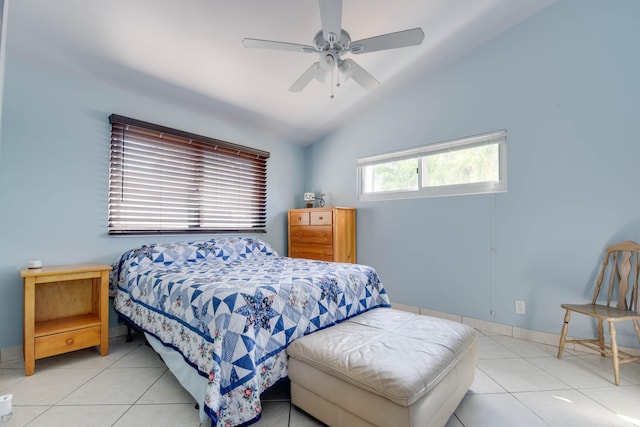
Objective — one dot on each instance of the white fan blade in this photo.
(270, 44)
(331, 18)
(313, 72)
(350, 69)
(404, 38)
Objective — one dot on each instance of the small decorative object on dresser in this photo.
(309, 199)
(325, 234)
(65, 309)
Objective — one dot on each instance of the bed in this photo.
(221, 312)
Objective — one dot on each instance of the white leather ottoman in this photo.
(383, 368)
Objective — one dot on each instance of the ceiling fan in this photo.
(332, 42)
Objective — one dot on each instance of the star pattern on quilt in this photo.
(330, 290)
(258, 311)
(203, 249)
(146, 251)
(202, 318)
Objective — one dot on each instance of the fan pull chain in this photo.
(332, 71)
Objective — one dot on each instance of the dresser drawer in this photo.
(321, 234)
(321, 218)
(298, 218)
(49, 345)
(310, 251)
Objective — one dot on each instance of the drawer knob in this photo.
(70, 341)
(321, 218)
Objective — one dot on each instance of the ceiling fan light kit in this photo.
(331, 47)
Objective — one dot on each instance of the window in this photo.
(163, 180)
(472, 165)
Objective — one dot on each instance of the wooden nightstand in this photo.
(65, 309)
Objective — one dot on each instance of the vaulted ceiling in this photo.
(190, 51)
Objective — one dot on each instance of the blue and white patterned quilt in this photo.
(231, 306)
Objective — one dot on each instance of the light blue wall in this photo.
(563, 83)
(565, 86)
(54, 169)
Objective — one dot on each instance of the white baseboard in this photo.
(117, 331)
(493, 328)
(11, 353)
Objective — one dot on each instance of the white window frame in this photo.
(496, 137)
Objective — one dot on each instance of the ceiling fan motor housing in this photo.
(339, 45)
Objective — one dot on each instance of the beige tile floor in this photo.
(518, 383)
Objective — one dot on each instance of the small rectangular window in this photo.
(471, 165)
(163, 180)
(396, 175)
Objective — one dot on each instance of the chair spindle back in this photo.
(624, 258)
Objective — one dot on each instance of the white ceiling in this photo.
(190, 51)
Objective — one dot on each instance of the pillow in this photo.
(226, 249)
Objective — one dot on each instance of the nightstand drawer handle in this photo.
(70, 341)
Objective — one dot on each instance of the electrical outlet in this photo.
(520, 307)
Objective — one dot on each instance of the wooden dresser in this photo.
(325, 234)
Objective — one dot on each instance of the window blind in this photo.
(163, 180)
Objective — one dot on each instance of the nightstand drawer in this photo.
(50, 345)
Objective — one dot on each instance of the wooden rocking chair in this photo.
(623, 274)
